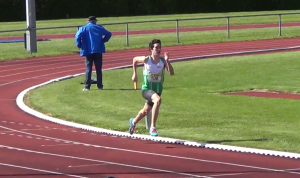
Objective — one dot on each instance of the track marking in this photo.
(89, 165)
(40, 170)
(5, 132)
(233, 174)
(156, 154)
(66, 71)
(99, 161)
(2, 76)
(25, 130)
(34, 129)
(29, 78)
(57, 145)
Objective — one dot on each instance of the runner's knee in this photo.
(156, 100)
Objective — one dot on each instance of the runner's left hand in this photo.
(166, 56)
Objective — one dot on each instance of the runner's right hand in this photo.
(134, 78)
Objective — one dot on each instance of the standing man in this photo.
(90, 39)
(153, 78)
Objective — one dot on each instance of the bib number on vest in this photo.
(154, 78)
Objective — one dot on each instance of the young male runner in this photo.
(153, 78)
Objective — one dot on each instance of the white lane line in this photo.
(103, 162)
(35, 129)
(153, 154)
(57, 145)
(88, 165)
(233, 174)
(40, 170)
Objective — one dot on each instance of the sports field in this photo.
(193, 107)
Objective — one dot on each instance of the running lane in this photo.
(35, 148)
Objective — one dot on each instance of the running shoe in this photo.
(132, 126)
(153, 132)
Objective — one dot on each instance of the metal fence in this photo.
(227, 18)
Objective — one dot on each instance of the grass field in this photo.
(192, 109)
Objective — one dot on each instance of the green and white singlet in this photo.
(153, 75)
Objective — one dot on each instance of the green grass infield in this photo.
(192, 106)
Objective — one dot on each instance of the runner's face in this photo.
(156, 49)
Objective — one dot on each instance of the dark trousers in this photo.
(89, 60)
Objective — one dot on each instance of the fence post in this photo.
(25, 40)
(127, 38)
(177, 31)
(228, 28)
(31, 45)
(279, 21)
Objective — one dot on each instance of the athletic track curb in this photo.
(25, 108)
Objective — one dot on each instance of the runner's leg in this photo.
(156, 99)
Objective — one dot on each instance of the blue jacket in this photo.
(89, 39)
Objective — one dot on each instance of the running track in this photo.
(30, 147)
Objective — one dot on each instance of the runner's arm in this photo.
(136, 60)
(168, 65)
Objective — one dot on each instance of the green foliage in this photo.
(15, 10)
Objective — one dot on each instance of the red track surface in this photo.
(58, 149)
(192, 29)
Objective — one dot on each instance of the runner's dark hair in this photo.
(151, 44)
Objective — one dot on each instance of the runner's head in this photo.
(155, 47)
